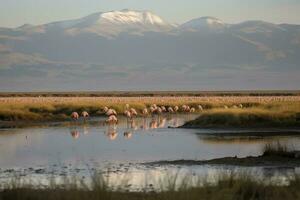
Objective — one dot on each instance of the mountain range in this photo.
(138, 50)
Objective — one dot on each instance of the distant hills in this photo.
(139, 50)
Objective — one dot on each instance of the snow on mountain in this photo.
(134, 22)
(108, 24)
(113, 23)
(202, 23)
(256, 27)
(132, 17)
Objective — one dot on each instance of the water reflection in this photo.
(75, 134)
(145, 125)
(85, 129)
(162, 122)
(153, 124)
(142, 140)
(76, 130)
(128, 127)
(111, 133)
(127, 135)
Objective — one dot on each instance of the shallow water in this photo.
(78, 146)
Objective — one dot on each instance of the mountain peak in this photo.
(127, 16)
(113, 23)
(255, 26)
(205, 22)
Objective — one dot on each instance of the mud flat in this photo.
(285, 160)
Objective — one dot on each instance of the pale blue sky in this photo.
(17, 12)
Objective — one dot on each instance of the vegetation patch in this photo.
(275, 115)
(226, 187)
(223, 111)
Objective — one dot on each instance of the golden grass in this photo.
(59, 108)
(272, 114)
(257, 117)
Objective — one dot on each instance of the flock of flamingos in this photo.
(131, 113)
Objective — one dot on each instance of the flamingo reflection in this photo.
(111, 133)
(162, 122)
(128, 134)
(144, 126)
(133, 125)
(153, 124)
(85, 129)
(75, 134)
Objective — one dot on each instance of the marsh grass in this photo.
(231, 186)
(276, 115)
(278, 149)
(259, 111)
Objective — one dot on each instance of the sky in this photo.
(14, 13)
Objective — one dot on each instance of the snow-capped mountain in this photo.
(110, 24)
(204, 23)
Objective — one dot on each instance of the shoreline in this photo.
(216, 130)
(291, 160)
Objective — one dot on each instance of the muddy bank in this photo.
(292, 159)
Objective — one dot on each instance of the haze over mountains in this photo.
(138, 50)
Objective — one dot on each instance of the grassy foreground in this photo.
(227, 187)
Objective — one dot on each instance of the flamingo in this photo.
(176, 108)
(105, 109)
(152, 109)
(85, 114)
(200, 107)
(186, 108)
(163, 108)
(145, 112)
(112, 119)
(75, 116)
(170, 110)
(183, 108)
(110, 112)
(159, 110)
(127, 114)
(133, 112)
(192, 110)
